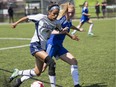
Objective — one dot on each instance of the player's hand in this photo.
(65, 30)
(89, 15)
(81, 30)
(14, 25)
(74, 37)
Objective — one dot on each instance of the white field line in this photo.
(15, 38)
(14, 47)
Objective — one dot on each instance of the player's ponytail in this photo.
(64, 9)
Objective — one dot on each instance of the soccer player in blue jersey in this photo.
(85, 18)
(55, 44)
(44, 25)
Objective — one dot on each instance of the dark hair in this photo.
(52, 5)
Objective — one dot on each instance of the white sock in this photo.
(29, 73)
(52, 80)
(75, 74)
(90, 28)
(25, 78)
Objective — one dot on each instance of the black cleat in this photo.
(18, 82)
(77, 85)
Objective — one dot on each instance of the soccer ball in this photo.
(37, 84)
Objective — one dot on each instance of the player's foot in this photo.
(77, 85)
(18, 82)
(91, 34)
(14, 75)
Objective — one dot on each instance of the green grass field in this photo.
(91, 8)
(95, 55)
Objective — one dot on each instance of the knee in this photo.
(51, 70)
(37, 72)
(74, 61)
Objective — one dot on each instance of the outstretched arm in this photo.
(75, 28)
(17, 22)
(74, 37)
(64, 31)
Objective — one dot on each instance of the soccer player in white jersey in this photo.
(85, 18)
(44, 25)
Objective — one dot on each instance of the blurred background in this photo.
(26, 7)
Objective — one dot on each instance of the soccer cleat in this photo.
(77, 85)
(14, 75)
(18, 83)
(91, 34)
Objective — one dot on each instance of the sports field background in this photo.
(91, 7)
(95, 55)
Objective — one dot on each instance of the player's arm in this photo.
(60, 31)
(74, 37)
(75, 28)
(86, 14)
(17, 22)
(64, 31)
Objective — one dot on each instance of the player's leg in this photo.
(26, 74)
(12, 18)
(69, 58)
(35, 50)
(52, 51)
(51, 70)
(39, 55)
(90, 28)
(9, 19)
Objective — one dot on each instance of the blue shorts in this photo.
(83, 20)
(55, 50)
(35, 47)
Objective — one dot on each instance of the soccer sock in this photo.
(25, 78)
(29, 72)
(52, 80)
(26, 74)
(90, 28)
(75, 74)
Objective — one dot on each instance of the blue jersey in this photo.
(84, 18)
(57, 39)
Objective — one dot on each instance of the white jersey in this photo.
(44, 27)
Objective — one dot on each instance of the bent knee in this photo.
(38, 73)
